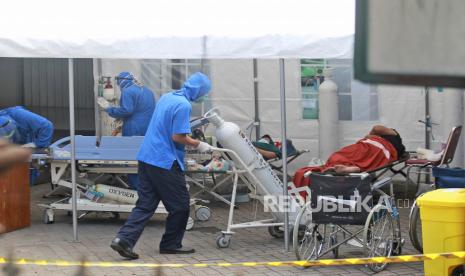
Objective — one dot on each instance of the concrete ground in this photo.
(54, 241)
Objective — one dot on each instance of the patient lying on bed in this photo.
(269, 150)
(377, 149)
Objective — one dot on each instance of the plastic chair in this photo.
(424, 166)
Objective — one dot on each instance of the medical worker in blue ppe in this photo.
(23, 127)
(161, 170)
(137, 104)
(20, 126)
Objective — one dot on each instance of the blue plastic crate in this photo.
(449, 177)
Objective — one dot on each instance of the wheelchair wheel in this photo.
(414, 230)
(307, 238)
(378, 235)
(398, 242)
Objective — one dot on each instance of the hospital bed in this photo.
(115, 156)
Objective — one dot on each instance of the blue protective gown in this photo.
(137, 104)
(172, 117)
(32, 128)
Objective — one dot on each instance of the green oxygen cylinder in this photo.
(100, 87)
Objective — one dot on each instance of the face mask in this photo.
(200, 100)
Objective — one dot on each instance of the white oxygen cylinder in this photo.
(109, 94)
(117, 194)
(230, 136)
(108, 90)
(328, 117)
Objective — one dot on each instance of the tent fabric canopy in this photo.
(178, 29)
(164, 29)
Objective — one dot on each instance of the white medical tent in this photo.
(206, 29)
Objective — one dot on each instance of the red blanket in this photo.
(367, 154)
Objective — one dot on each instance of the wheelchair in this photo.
(348, 210)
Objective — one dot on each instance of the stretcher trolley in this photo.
(348, 210)
(116, 156)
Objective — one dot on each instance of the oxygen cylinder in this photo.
(108, 90)
(328, 116)
(100, 87)
(231, 137)
(117, 194)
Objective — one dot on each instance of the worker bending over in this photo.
(23, 127)
(20, 126)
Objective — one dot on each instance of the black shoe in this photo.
(181, 250)
(123, 249)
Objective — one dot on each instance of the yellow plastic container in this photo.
(442, 214)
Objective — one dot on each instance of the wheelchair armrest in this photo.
(381, 183)
(362, 175)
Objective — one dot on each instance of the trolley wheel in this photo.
(190, 224)
(276, 232)
(307, 240)
(378, 235)
(396, 248)
(202, 213)
(48, 216)
(414, 230)
(223, 241)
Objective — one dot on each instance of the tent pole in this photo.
(427, 120)
(428, 126)
(73, 147)
(97, 112)
(284, 150)
(255, 96)
(203, 55)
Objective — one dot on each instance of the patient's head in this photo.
(266, 139)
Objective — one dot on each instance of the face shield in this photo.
(126, 79)
(8, 130)
(120, 80)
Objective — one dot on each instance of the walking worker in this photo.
(161, 170)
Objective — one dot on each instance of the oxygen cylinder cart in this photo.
(250, 166)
